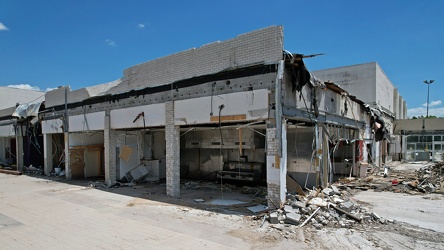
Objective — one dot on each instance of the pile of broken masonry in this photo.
(329, 207)
(427, 179)
(332, 207)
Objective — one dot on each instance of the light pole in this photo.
(428, 92)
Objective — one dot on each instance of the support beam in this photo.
(48, 161)
(276, 167)
(19, 148)
(110, 152)
(300, 114)
(68, 173)
(172, 139)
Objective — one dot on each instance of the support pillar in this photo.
(47, 151)
(68, 173)
(110, 152)
(172, 139)
(19, 149)
(276, 167)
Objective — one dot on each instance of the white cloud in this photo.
(24, 86)
(421, 111)
(3, 27)
(49, 89)
(110, 42)
(141, 25)
(433, 103)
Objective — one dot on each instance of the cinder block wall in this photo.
(264, 45)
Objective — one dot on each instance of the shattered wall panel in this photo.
(251, 104)
(84, 139)
(264, 45)
(154, 115)
(87, 122)
(52, 126)
(7, 130)
(299, 145)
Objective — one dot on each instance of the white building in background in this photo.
(369, 83)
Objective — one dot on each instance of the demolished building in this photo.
(369, 83)
(21, 142)
(242, 109)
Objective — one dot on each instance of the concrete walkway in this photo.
(36, 213)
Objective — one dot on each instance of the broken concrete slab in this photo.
(347, 206)
(274, 218)
(328, 191)
(258, 208)
(293, 218)
(298, 204)
(318, 202)
(335, 190)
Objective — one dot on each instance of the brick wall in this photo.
(273, 171)
(172, 139)
(272, 142)
(273, 196)
(264, 45)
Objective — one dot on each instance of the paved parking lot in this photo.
(37, 213)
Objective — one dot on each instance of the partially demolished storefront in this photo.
(238, 110)
(21, 141)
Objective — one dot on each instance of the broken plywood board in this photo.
(228, 118)
(293, 186)
(125, 153)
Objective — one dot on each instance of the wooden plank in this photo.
(224, 118)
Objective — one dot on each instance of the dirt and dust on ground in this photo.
(401, 208)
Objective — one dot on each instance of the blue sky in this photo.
(49, 43)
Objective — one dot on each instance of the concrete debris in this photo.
(274, 218)
(292, 218)
(318, 202)
(331, 207)
(426, 179)
(97, 184)
(328, 191)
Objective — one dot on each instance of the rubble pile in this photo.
(427, 179)
(329, 207)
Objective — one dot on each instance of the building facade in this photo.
(242, 109)
(369, 83)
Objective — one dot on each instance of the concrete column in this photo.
(140, 145)
(68, 173)
(172, 139)
(276, 167)
(110, 152)
(19, 150)
(47, 151)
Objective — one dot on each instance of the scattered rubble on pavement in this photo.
(334, 206)
(428, 178)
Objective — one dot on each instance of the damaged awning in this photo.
(27, 109)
